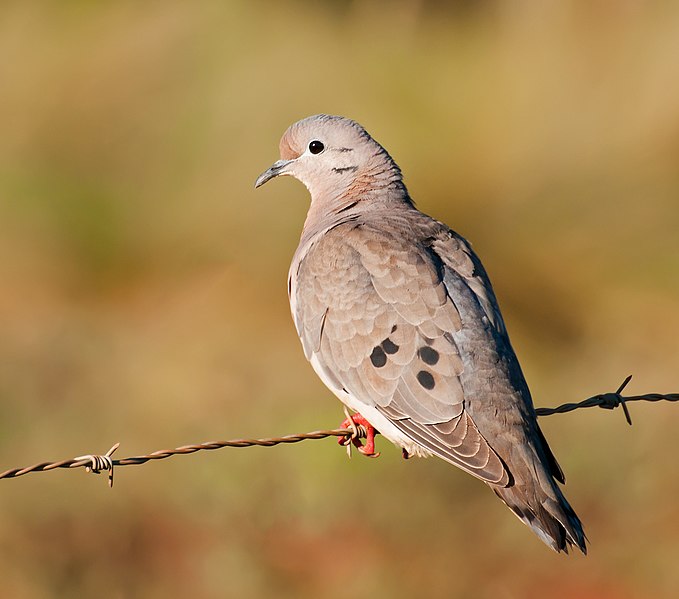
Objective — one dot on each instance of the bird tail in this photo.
(539, 503)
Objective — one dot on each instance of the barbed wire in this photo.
(102, 463)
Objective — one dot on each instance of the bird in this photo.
(398, 318)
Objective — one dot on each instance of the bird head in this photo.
(331, 156)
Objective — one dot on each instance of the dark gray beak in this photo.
(277, 168)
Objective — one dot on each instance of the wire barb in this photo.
(354, 432)
(611, 401)
(357, 432)
(99, 463)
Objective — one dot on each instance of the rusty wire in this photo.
(99, 463)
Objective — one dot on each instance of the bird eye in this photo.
(316, 147)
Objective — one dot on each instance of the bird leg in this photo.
(352, 421)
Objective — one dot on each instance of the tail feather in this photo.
(539, 503)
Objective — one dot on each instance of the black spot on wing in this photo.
(426, 379)
(378, 357)
(389, 346)
(428, 355)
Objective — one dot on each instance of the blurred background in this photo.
(143, 290)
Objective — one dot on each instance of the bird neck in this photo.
(364, 197)
(378, 180)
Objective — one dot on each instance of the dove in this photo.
(398, 318)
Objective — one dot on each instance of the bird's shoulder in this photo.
(384, 235)
(377, 243)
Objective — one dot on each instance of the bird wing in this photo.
(375, 311)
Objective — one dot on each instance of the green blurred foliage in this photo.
(142, 289)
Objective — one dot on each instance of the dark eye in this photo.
(316, 147)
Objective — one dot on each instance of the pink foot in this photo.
(369, 448)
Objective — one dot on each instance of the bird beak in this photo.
(277, 168)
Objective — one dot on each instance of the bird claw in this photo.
(360, 427)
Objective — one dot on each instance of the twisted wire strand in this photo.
(98, 463)
(95, 463)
